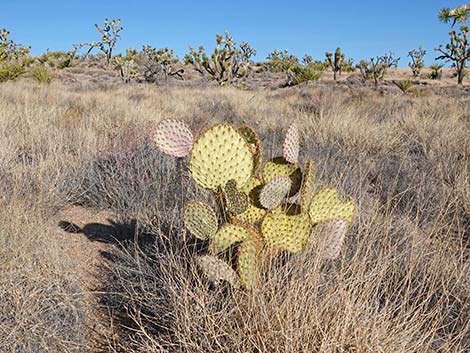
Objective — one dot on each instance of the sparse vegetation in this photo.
(226, 64)
(376, 68)
(41, 74)
(404, 85)
(417, 60)
(436, 71)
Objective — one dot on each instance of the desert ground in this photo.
(95, 257)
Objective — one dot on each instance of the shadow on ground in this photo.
(114, 232)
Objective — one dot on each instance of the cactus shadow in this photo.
(112, 232)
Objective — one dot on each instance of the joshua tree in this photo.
(457, 50)
(335, 62)
(156, 63)
(459, 14)
(417, 63)
(109, 37)
(281, 60)
(226, 63)
(377, 67)
(9, 50)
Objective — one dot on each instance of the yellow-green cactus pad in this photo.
(280, 167)
(291, 145)
(345, 211)
(285, 232)
(174, 137)
(254, 142)
(247, 263)
(275, 191)
(218, 155)
(252, 215)
(228, 235)
(308, 184)
(217, 270)
(255, 212)
(200, 219)
(335, 233)
(236, 200)
(326, 206)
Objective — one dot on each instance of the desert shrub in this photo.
(404, 85)
(126, 65)
(10, 72)
(41, 74)
(300, 74)
(13, 57)
(376, 68)
(57, 59)
(436, 71)
(281, 60)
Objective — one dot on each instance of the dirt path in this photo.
(87, 236)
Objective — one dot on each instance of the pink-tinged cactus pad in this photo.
(292, 144)
(274, 192)
(174, 137)
(335, 233)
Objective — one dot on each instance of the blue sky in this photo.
(361, 28)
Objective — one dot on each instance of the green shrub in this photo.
(41, 74)
(9, 72)
(404, 85)
(436, 71)
(299, 74)
(281, 61)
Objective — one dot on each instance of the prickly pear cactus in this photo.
(273, 205)
(219, 155)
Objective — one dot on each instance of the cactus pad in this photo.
(254, 142)
(217, 270)
(218, 155)
(280, 167)
(174, 137)
(326, 206)
(292, 144)
(248, 262)
(228, 235)
(275, 191)
(236, 200)
(255, 212)
(285, 232)
(336, 231)
(200, 219)
(306, 190)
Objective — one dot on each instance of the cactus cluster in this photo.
(265, 207)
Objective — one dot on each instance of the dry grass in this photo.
(401, 284)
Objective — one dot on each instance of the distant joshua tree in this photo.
(457, 50)
(109, 37)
